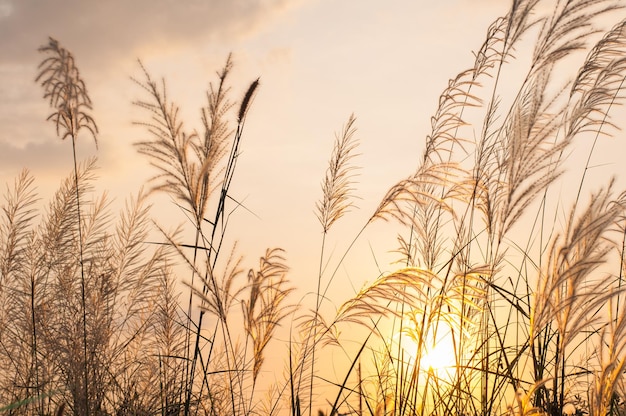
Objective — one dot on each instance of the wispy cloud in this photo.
(49, 157)
(102, 35)
(117, 28)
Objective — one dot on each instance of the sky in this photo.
(318, 61)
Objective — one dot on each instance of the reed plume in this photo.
(67, 94)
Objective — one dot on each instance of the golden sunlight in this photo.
(439, 353)
(438, 349)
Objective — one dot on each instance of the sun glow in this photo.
(438, 353)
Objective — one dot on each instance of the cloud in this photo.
(102, 35)
(52, 157)
(99, 31)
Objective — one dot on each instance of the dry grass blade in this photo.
(168, 343)
(216, 297)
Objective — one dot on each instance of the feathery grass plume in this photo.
(188, 164)
(447, 136)
(337, 187)
(265, 309)
(20, 297)
(457, 97)
(41, 341)
(564, 293)
(424, 201)
(597, 89)
(416, 190)
(567, 29)
(427, 211)
(66, 92)
(529, 158)
(170, 151)
(502, 36)
(122, 277)
(60, 235)
(430, 307)
(568, 296)
(262, 311)
(128, 310)
(534, 121)
(16, 223)
(68, 337)
(191, 167)
(448, 118)
(408, 286)
(612, 362)
(598, 84)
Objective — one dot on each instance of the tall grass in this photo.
(68, 95)
(525, 313)
(505, 297)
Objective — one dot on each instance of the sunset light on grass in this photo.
(313, 208)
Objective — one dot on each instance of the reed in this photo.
(490, 162)
(518, 289)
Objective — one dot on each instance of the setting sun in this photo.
(438, 350)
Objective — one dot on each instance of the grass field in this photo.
(506, 295)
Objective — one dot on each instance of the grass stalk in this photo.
(66, 92)
(82, 280)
